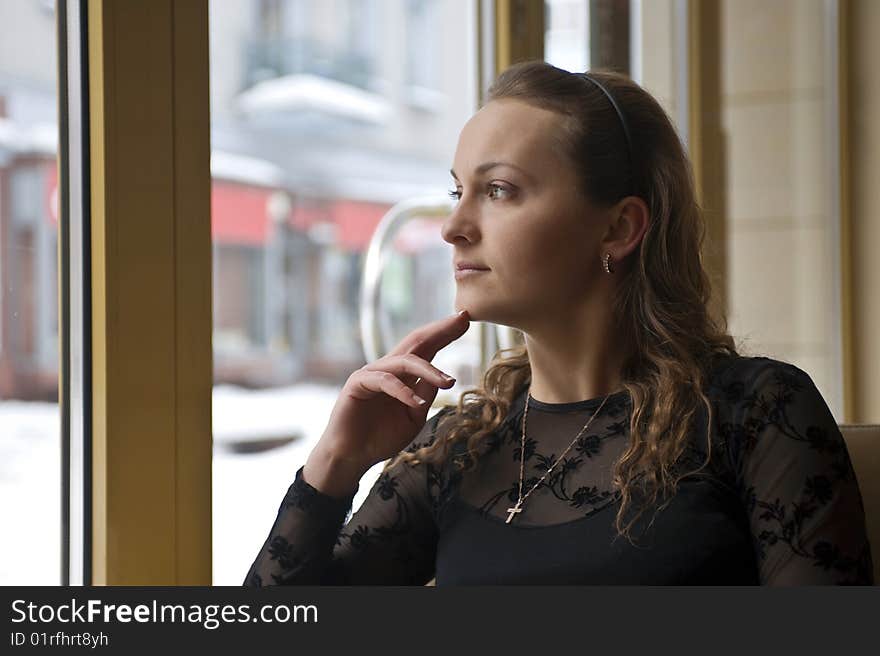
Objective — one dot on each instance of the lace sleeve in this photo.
(390, 540)
(798, 485)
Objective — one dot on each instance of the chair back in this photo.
(863, 444)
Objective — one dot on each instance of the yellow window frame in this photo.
(151, 292)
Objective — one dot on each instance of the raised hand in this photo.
(378, 411)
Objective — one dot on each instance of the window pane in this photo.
(30, 443)
(658, 54)
(567, 34)
(324, 115)
(781, 161)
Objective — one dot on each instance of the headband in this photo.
(623, 122)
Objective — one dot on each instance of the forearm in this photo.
(299, 549)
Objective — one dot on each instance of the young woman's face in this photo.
(519, 214)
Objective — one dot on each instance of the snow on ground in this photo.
(30, 493)
(247, 487)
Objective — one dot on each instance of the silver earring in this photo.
(607, 263)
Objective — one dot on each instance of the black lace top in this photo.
(777, 505)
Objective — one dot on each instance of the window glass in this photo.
(30, 434)
(781, 162)
(567, 34)
(324, 115)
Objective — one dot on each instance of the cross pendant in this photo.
(512, 511)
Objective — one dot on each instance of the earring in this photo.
(607, 263)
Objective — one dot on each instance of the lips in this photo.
(463, 266)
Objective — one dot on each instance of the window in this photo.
(782, 163)
(567, 34)
(317, 133)
(30, 431)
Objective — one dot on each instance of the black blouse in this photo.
(777, 505)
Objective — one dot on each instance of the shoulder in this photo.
(768, 406)
(742, 381)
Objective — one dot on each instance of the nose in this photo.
(458, 225)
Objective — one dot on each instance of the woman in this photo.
(628, 412)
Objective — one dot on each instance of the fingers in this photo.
(427, 391)
(369, 382)
(409, 367)
(426, 340)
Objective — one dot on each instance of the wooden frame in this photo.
(519, 32)
(151, 291)
(851, 410)
(705, 139)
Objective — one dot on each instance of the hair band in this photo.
(623, 122)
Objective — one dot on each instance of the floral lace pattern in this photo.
(803, 526)
(781, 489)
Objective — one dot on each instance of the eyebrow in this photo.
(485, 166)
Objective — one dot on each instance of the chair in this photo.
(863, 444)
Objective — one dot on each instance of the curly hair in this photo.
(661, 305)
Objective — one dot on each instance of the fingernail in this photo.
(461, 312)
(447, 377)
(419, 399)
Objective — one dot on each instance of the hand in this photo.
(377, 413)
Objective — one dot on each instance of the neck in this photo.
(579, 358)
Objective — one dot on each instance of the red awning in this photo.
(52, 198)
(239, 214)
(354, 221)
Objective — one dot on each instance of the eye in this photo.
(497, 187)
(454, 194)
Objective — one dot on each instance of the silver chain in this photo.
(522, 460)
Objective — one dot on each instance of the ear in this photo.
(629, 220)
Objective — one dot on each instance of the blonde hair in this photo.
(661, 304)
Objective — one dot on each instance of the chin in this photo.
(480, 310)
(475, 311)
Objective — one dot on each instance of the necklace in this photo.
(522, 459)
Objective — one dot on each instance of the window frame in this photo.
(146, 444)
